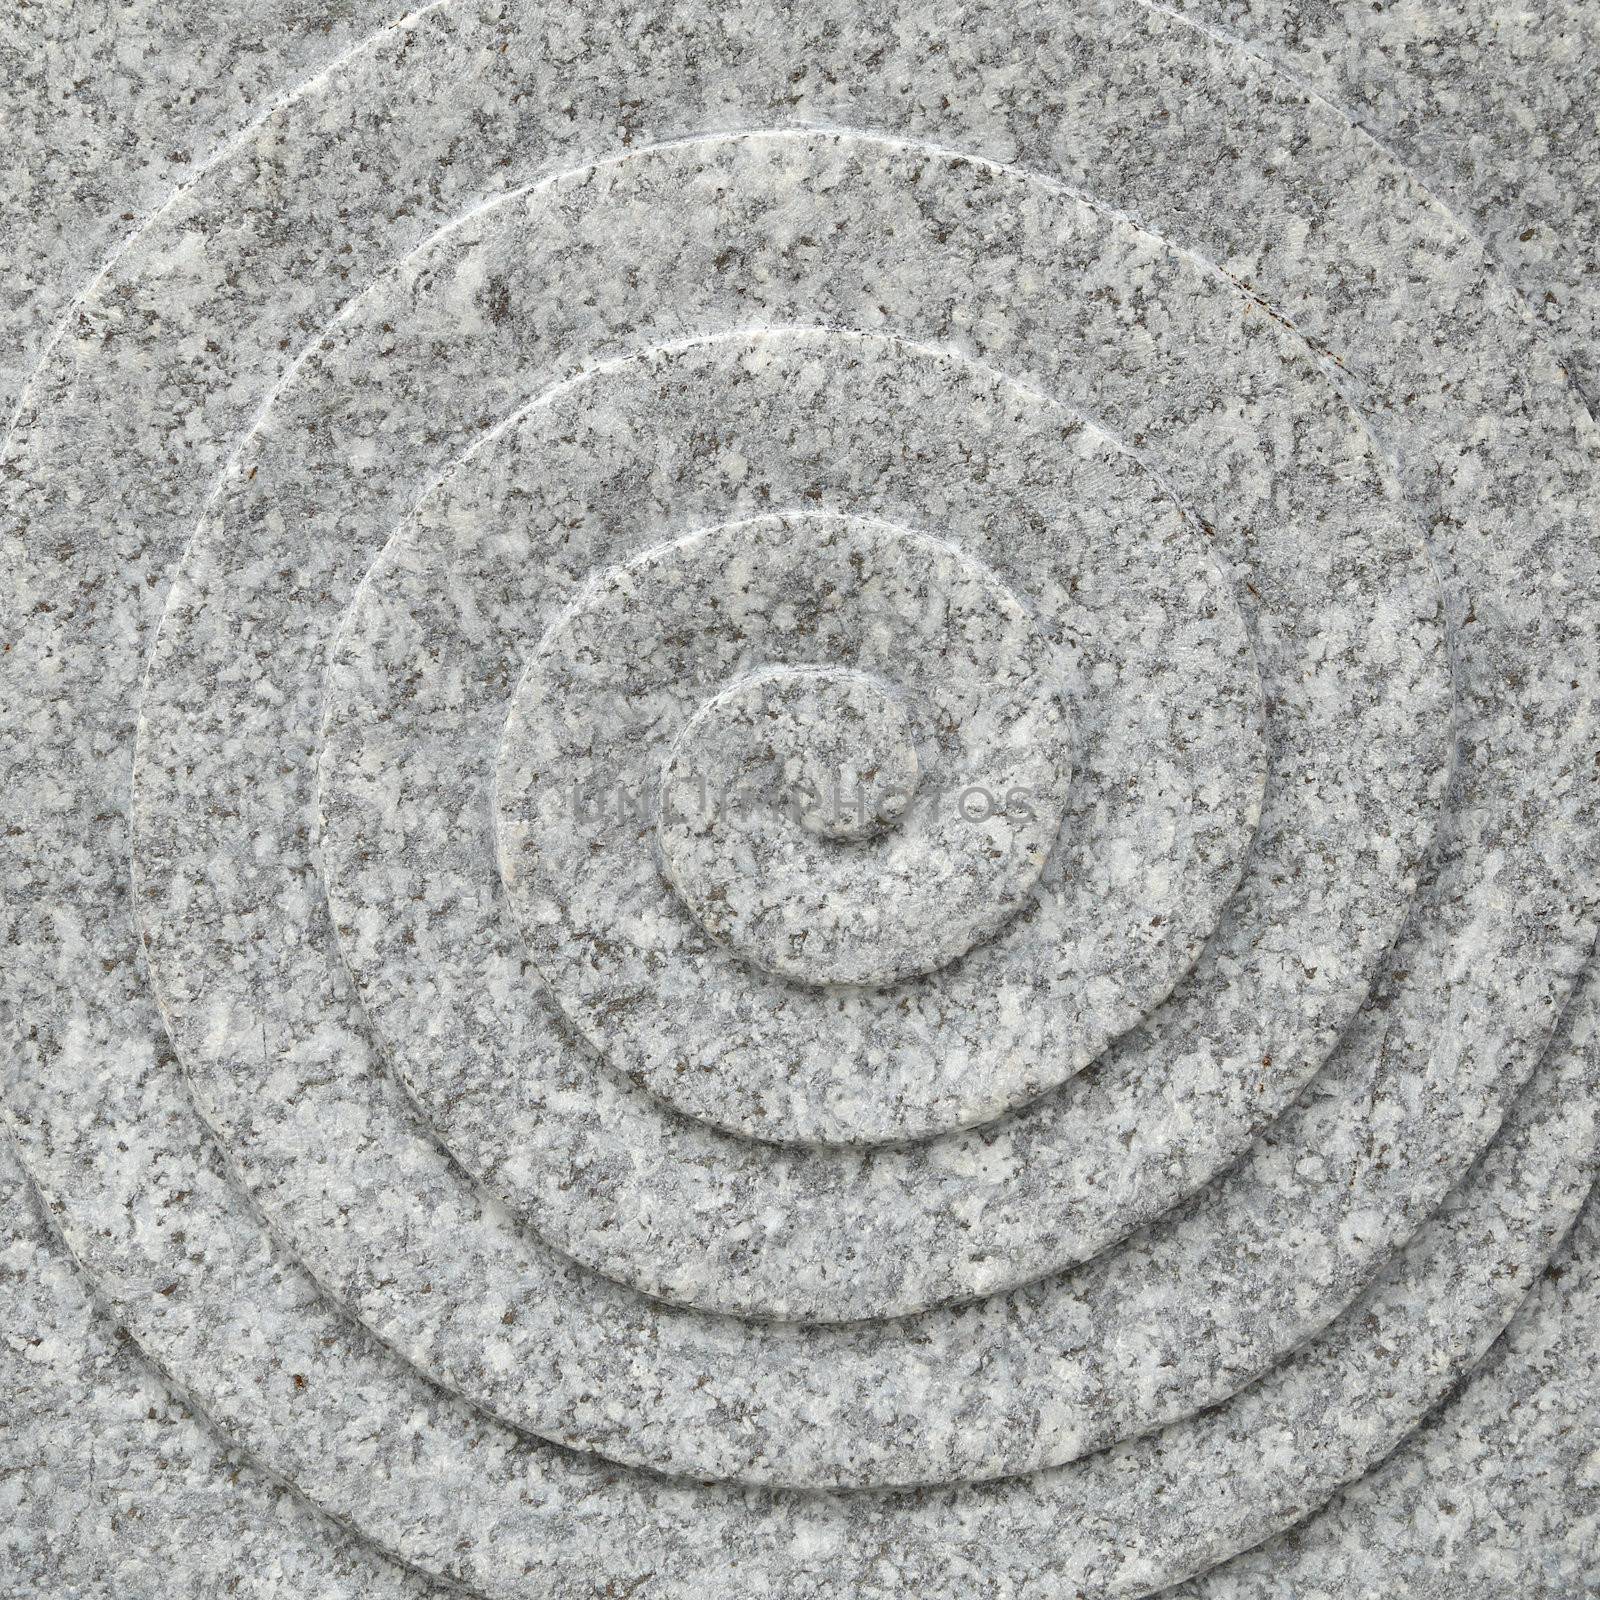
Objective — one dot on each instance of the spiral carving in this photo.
(833, 794)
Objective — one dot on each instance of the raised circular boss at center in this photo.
(834, 829)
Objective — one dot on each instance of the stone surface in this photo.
(523, 1080)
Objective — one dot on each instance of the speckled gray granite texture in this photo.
(801, 801)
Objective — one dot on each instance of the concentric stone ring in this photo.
(1030, 489)
(626, 684)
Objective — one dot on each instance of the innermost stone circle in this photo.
(787, 780)
(831, 748)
